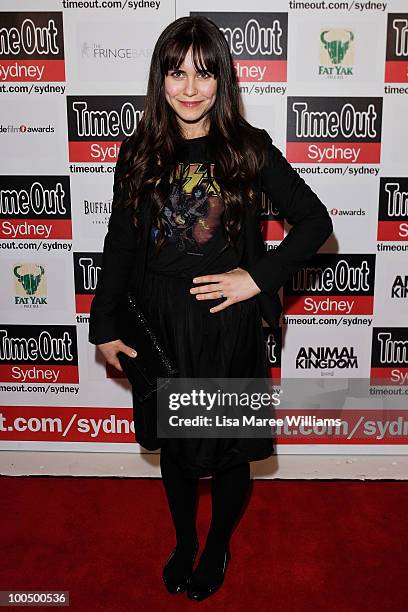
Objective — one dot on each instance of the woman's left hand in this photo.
(235, 285)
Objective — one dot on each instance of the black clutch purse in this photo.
(152, 361)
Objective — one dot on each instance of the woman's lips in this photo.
(190, 104)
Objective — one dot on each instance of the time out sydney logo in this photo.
(396, 60)
(334, 130)
(32, 46)
(87, 267)
(38, 353)
(98, 124)
(258, 43)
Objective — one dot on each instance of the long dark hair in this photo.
(234, 145)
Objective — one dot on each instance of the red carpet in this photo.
(335, 546)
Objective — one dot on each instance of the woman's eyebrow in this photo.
(180, 70)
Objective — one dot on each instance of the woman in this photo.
(185, 233)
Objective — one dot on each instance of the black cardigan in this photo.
(124, 253)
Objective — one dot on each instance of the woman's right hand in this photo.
(110, 350)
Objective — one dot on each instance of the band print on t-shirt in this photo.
(193, 212)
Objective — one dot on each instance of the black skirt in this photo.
(226, 344)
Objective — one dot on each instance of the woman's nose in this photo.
(191, 87)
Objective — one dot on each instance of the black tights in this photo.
(229, 489)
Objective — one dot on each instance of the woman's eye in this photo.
(203, 74)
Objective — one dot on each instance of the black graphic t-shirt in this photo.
(195, 238)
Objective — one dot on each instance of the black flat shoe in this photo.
(201, 586)
(177, 577)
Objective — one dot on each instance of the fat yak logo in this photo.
(30, 284)
(336, 53)
(326, 358)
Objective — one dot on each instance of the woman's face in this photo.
(191, 94)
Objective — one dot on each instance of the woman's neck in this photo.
(194, 131)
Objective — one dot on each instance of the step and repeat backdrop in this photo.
(328, 80)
